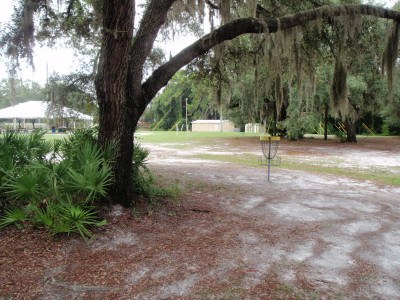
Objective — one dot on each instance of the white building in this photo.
(213, 126)
(254, 128)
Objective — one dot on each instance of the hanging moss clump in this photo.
(338, 94)
(390, 54)
(225, 11)
(279, 97)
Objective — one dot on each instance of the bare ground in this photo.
(231, 234)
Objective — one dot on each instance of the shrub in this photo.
(52, 184)
(17, 151)
(143, 181)
(56, 185)
(89, 175)
(71, 218)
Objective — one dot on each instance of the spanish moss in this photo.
(390, 54)
(338, 94)
(279, 97)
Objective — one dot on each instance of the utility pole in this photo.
(47, 74)
(186, 116)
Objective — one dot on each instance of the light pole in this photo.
(186, 115)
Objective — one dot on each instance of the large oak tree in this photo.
(123, 92)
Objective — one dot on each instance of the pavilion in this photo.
(38, 110)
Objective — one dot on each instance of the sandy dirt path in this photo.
(339, 235)
(232, 235)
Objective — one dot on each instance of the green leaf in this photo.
(44, 216)
(73, 218)
(27, 185)
(13, 216)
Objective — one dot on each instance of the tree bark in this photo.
(118, 83)
(351, 131)
(326, 121)
(115, 123)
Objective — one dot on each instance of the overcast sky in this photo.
(56, 59)
(61, 61)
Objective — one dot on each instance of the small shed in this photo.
(254, 128)
(213, 126)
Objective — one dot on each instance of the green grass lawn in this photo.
(182, 137)
(53, 136)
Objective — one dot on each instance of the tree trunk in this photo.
(219, 101)
(326, 121)
(116, 124)
(119, 83)
(275, 117)
(351, 131)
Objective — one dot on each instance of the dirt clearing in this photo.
(232, 235)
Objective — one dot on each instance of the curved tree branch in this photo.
(229, 31)
(153, 19)
(212, 5)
